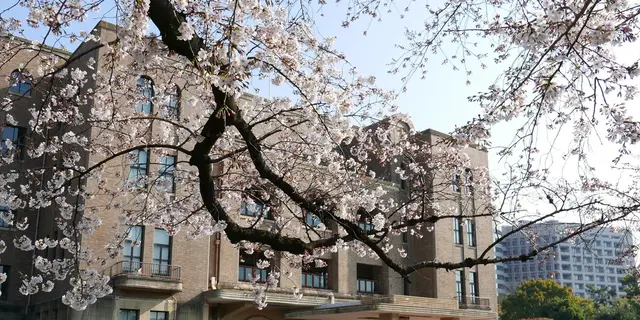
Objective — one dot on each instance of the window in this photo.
(166, 177)
(16, 136)
(468, 181)
(20, 83)
(600, 278)
(5, 285)
(4, 211)
(311, 219)
(126, 314)
(172, 109)
(159, 315)
(455, 182)
(471, 233)
(564, 249)
(578, 277)
(566, 276)
(607, 244)
(254, 206)
(577, 267)
(161, 252)
(133, 245)
(588, 260)
(313, 277)
(145, 88)
(608, 253)
(248, 267)
(139, 167)
(565, 258)
(365, 224)
(473, 285)
(459, 285)
(611, 279)
(600, 269)
(566, 267)
(367, 278)
(403, 182)
(457, 231)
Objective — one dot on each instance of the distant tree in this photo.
(603, 296)
(621, 309)
(630, 284)
(544, 299)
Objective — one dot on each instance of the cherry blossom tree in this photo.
(317, 150)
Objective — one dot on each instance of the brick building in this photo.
(173, 277)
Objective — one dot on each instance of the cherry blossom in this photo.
(299, 173)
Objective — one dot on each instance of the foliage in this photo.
(299, 152)
(630, 284)
(602, 296)
(544, 299)
(620, 309)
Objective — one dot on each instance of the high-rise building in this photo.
(160, 276)
(599, 257)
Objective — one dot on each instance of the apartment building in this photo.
(160, 276)
(596, 258)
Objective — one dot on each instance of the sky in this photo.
(440, 101)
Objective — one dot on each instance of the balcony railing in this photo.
(143, 269)
(473, 302)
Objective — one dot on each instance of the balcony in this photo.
(142, 276)
(473, 302)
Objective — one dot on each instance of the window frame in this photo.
(133, 263)
(457, 231)
(138, 181)
(322, 274)
(23, 77)
(18, 140)
(166, 271)
(471, 233)
(249, 262)
(311, 220)
(4, 287)
(167, 170)
(366, 284)
(169, 111)
(3, 224)
(165, 315)
(128, 315)
(140, 87)
(459, 284)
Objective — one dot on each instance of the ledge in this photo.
(132, 282)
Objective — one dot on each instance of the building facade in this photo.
(597, 258)
(158, 276)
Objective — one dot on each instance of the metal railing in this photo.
(473, 302)
(143, 269)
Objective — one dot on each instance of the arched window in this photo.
(20, 82)
(172, 109)
(145, 87)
